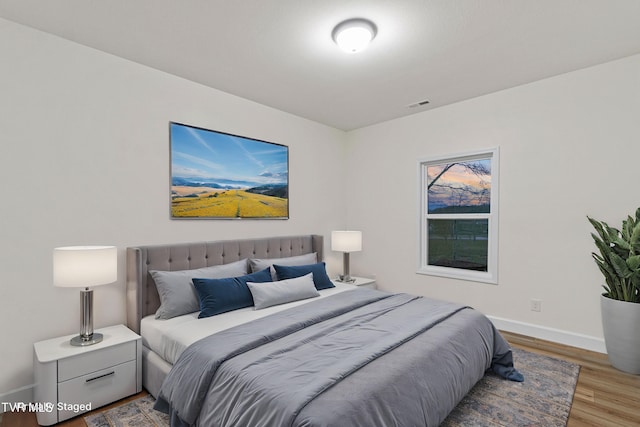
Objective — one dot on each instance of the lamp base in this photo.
(78, 341)
(345, 279)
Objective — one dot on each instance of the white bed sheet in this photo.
(168, 338)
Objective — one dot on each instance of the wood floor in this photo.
(604, 397)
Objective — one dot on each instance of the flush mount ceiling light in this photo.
(353, 35)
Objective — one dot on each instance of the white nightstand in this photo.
(364, 282)
(72, 380)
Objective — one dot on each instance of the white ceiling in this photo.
(280, 53)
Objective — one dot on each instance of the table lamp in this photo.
(346, 242)
(81, 267)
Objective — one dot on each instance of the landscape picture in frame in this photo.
(218, 175)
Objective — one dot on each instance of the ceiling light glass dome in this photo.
(354, 35)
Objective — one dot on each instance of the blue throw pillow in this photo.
(320, 278)
(222, 295)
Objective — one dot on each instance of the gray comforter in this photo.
(358, 358)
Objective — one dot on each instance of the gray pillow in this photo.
(177, 293)
(258, 264)
(267, 294)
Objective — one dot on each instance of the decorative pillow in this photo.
(222, 295)
(275, 293)
(177, 295)
(258, 264)
(320, 277)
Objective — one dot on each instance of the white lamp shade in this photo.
(346, 241)
(84, 266)
(354, 35)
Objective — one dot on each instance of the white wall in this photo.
(85, 160)
(569, 148)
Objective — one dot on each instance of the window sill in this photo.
(468, 275)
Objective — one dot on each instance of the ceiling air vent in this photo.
(418, 104)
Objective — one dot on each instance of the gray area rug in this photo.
(543, 399)
(136, 413)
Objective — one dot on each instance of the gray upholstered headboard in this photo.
(142, 296)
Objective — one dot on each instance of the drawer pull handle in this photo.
(101, 376)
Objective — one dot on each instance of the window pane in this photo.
(459, 187)
(458, 243)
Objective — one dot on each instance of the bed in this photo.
(351, 356)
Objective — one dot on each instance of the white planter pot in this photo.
(621, 324)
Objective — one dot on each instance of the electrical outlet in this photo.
(536, 305)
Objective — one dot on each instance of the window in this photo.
(459, 216)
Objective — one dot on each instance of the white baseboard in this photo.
(22, 394)
(550, 334)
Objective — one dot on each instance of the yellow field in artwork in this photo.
(228, 204)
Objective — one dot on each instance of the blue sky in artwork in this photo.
(200, 154)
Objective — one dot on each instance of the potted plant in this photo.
(618, 258)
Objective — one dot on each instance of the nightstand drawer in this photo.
(92, 361)
(98, 388)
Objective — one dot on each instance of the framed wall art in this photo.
(217, 175)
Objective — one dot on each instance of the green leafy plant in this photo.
(619, 257)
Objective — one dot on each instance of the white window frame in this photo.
(491, 275)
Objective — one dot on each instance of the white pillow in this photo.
(266, 294)
(178, 295)
(258, 264)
